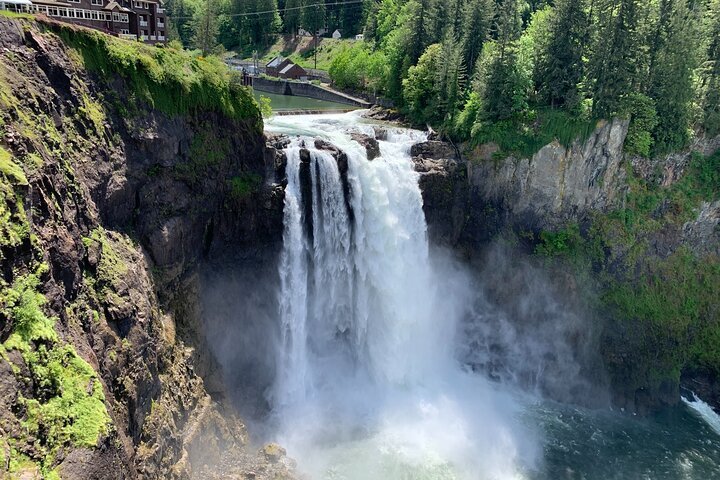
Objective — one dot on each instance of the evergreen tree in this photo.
(292, 16)
(180, 16)
(561, 69)
(262, 27)
(711, 101)
(506, 89)
(672, 75)
(450, 79)
(313, 17)
(477, 17)
(615, 57)
(205, 27)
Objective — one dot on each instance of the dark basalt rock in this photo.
(371, 145)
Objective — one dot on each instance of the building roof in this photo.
(275, 62)
(17, 2)
(290, 66)
(113, 5)
(52, 3)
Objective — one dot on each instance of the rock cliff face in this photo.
(474, 199)
(556, 185)
(110, 208)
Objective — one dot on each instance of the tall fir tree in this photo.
(616, 56)
(292, 16)
(313, 15)
(711, 97)
(205, 27)
(451, 77)
(477, 17)
(505, 92)
(672, 73)
(562, 68)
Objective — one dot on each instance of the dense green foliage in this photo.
(656, 62)
(665, 302)
(169, 80)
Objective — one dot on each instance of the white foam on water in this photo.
(704, 411)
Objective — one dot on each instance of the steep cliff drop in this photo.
(367, 384)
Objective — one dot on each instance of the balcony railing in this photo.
(143, 24)
(160, 10)
(127, 36)
(143, 38)
(153, 38)
(161, 38)
(160, 24)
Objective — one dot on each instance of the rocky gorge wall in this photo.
(110, 208)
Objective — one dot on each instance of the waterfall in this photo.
(367, 383)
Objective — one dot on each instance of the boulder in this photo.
(371, 145)
(434, 149)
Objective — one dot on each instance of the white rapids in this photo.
(368, 386)
(704, 411)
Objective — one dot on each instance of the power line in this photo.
(286, 9)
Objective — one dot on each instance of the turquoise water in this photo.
(288, 102)
(579, 444)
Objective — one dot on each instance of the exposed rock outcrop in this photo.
(556, 185)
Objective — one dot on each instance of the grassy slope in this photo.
(301, 51)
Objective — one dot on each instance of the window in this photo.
(87, 15)
(125, 31)
(120, 17)
(97, 2)
(137, 4)
(146, 6)
(95, 15)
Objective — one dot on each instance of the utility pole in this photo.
(316, 42)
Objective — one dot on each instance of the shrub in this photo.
(640, 109)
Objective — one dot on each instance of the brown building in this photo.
(292, 71)
(129, 19)
(275, 65)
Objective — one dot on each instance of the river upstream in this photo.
(369, 381)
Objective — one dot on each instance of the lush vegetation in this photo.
(170, 80)
(486, 70)
(664, 300)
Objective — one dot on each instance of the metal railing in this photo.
(127, 36)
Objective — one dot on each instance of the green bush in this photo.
(640, 109)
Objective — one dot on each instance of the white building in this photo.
(305, 33)
(360, 37)
(337, 35)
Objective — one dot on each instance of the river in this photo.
(368, 383)
(282, 103)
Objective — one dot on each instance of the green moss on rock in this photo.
(68, 403)
(172, 81)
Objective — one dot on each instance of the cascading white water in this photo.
(367, 384)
